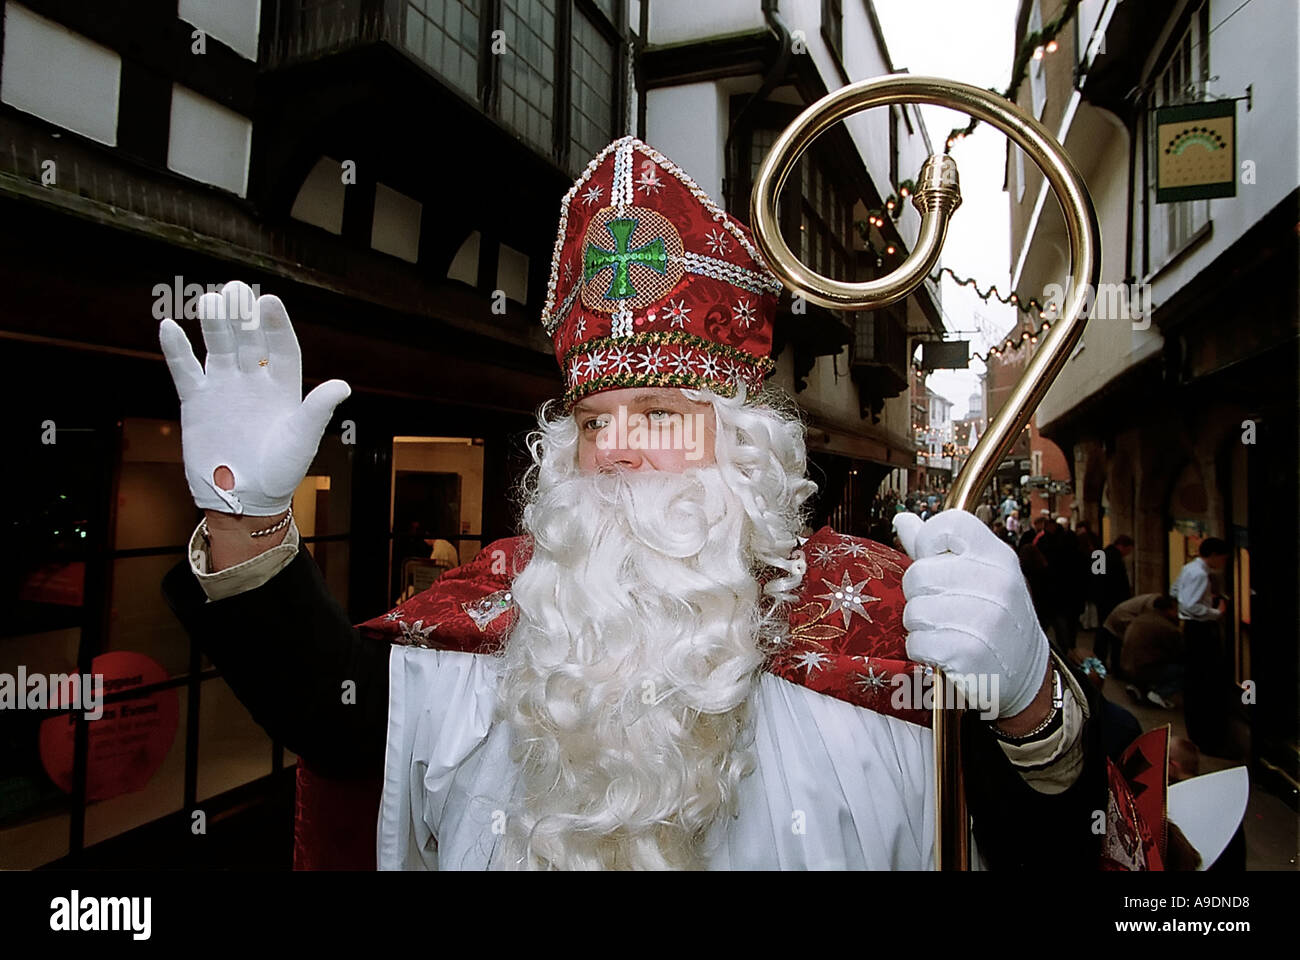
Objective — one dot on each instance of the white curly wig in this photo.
(646, 611)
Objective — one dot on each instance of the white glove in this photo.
(247, 411)
(968, 608)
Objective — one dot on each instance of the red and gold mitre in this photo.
(653, 284)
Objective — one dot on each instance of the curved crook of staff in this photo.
(937, 196)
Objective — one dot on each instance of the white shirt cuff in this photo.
(1051, 765)
(245, 576)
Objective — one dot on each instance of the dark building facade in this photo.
(392, 169)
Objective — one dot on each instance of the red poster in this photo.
(129, 742)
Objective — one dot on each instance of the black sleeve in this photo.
(1018, 828)
(287, 649)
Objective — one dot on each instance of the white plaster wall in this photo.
(1256, 48)
(684, 21)
(688, 124)
(1111, 344)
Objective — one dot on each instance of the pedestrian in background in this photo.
(1153, 651)
(1008, 505)
(1110, 589)
(1065, 581)
(1208, 676)
(1034, 568)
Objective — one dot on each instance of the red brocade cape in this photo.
(846, 641)
(846, 628)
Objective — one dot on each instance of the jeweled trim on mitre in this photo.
(728, 272)
(666, 338)
(685, 381)
(642, 360)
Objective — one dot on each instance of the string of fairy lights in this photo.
(1034, 47)
(1045, 312)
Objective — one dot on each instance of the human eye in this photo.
(594, 423)
(661, 415)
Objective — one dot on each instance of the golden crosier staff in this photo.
(937, 196)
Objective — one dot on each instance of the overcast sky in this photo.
(972, 42)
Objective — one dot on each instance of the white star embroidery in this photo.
(677, 313)
(568, 272)
(649, 181)
(852, 548)
(811, 660)
(681, 362)
(744, 314)
(709, 366)
(651, 362)
(416, 632)
(847, 598)
(575, 371)
(580, 328)
(595, 360)
(872, 682)
(717, 241)
(822, 555)
(393, 615)
(620, 361)
(592, 195)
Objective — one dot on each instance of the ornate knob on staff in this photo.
(937, 196)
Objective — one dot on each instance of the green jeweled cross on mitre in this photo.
(596, 259)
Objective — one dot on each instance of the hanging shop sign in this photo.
(1196, 151)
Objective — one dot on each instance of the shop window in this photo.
(322, 511)
(445, 35)
(42, 592)
(233, 749)
(138, 774)
(436, 509)
(528, 70)
(139, 746)
(595, 58)
(1173, 226)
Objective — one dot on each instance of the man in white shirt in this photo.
(661, 673)
(1209, 675)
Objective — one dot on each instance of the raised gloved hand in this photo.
(245, 410)
(968, 608)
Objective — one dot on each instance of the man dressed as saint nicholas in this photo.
(659, 672)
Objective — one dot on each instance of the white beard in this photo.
(626, 680)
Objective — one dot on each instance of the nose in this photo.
(619, 458)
